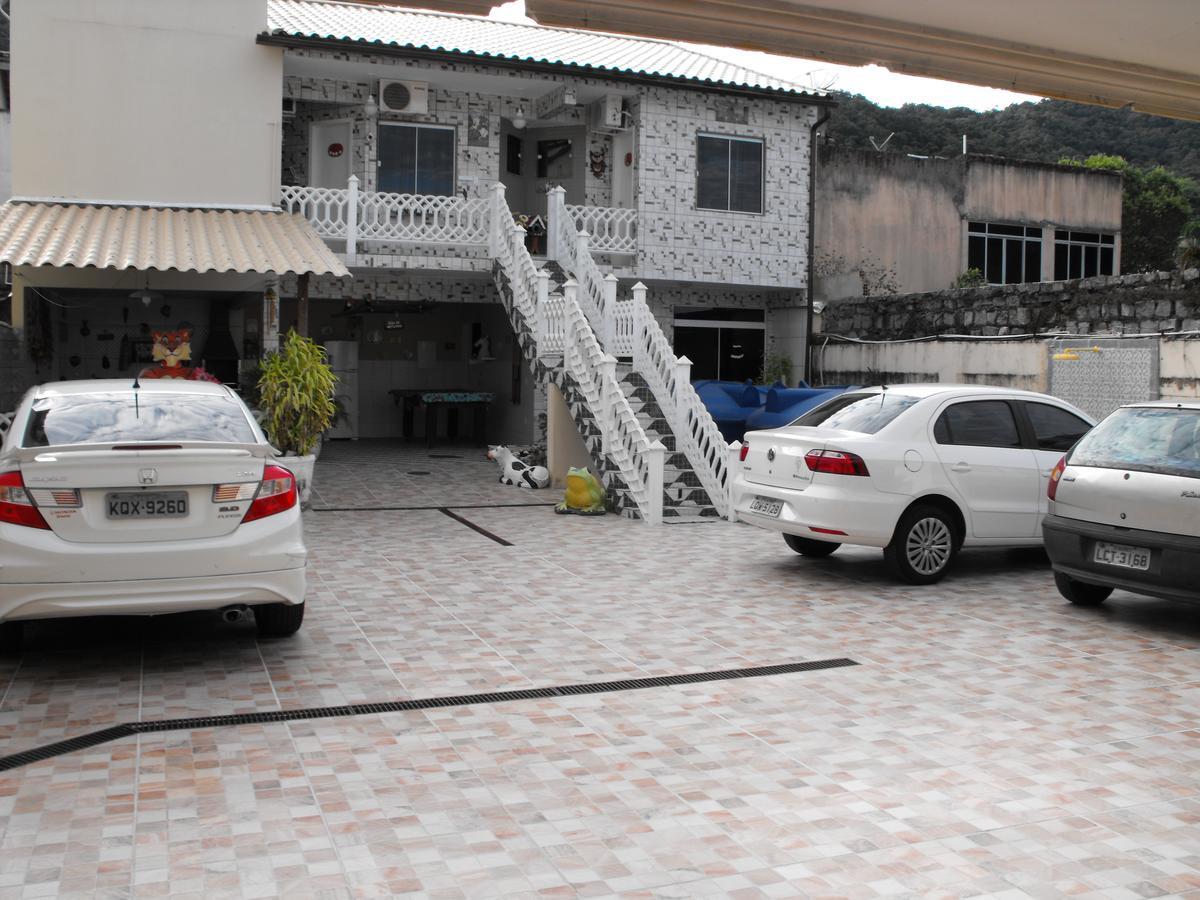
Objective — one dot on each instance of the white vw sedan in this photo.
(919, 470)
(138, 499)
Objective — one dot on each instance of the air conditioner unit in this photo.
(289, 107)
(606, 115)
(410, 97)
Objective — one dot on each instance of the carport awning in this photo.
(187, 240)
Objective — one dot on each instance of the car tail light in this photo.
(234, 492)
(744, 453)
(276, 494)
(16, 506)
(835, 462)
(1055, 477)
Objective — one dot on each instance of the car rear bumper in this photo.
(1174, 559)
(149, 597)
(867, 517)
(38, 556)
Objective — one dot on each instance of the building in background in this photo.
(887, 223)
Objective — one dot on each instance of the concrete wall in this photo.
(905, 220)
(1146, 326)
(152, 101)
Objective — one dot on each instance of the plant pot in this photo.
(302, 468)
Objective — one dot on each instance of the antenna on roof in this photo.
(879, 147)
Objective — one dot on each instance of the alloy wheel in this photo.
(928, 546)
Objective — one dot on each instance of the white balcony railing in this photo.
(359, 216)
(610, 229)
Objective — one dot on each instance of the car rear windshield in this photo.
(866, 413)
(1145, 439)
(134, 417)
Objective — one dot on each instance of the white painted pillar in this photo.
(555, 212)
(609, 325)
(733, 466)
(498, 212)
(352, 221)
(656, 458)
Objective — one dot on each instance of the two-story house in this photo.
(546, 217)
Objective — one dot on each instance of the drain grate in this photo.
(129, 729)
(418, 473)
(425, 508)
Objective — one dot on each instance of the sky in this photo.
(873, 82)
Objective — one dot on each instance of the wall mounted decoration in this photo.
(479, 130)
(598, 160)
(335, 150)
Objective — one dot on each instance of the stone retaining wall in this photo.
(1147, 303)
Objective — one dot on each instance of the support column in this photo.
(270, 317)
(302, 304)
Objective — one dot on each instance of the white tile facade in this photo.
(677, 242)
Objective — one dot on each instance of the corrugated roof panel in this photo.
(188, 240)
(422, 30)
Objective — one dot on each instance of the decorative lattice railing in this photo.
(610, 229)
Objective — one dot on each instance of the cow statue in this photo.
(513, 471)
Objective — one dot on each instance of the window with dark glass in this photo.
(1083, 254)
(729, 173)
(1005, 254)
(416, 159)
(978, 423)
(1054, 428)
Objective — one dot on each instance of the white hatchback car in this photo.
(123, 498)
(1125, 507)
(918, 469)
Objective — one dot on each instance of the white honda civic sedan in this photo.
(127, 498)
(920, 470)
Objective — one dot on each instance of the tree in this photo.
(1155, 206)
(1189, 247)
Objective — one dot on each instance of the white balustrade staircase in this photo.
(654, 444)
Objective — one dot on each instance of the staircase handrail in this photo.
(560, 323)
(670, 380)
(639, 461)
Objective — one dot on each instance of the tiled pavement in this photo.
(994, 740)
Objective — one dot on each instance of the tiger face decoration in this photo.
(172, 347)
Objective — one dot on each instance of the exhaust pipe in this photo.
(231, 615)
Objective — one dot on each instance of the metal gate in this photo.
(1098, 375)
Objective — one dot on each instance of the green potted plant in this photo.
(296, 395)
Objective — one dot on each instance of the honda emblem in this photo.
(147, 476)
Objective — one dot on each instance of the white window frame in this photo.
(762, 181)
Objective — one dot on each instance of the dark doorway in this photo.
(726, 344)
